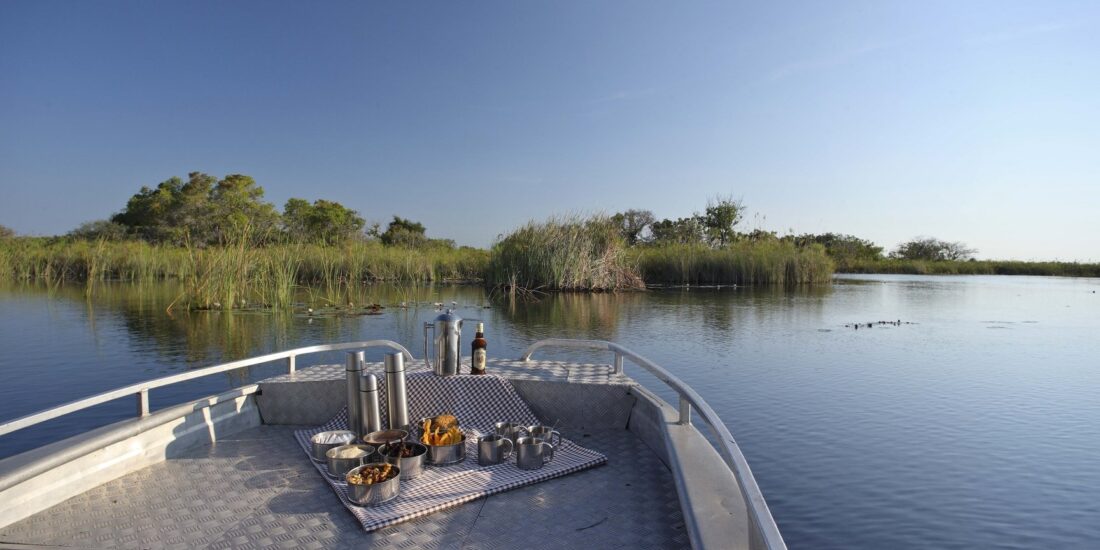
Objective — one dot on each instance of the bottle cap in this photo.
(481, 327)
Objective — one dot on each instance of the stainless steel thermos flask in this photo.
(397, 401)
(353, 367)
(371, 419)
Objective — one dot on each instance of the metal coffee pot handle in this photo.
(427, 356)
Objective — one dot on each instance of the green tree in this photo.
(932, 249)
(680, 231)
(323, 221)
(720, 220)
(237, 207)
(147, 212)
(844, 249)
(403, 232)
(202, 210)
(632, 223)
(99, 229)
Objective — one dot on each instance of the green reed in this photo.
(562, 254)
(238, 274)
(976, 267)
(741, 263)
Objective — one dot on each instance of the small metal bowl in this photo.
(385, 436)
(411, 466)
(375, 493)
(324, 441)
(418, 427)
(339, 467)
(441, 455)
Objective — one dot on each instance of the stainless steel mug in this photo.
(493, 449)
(510, 430)
(533, 453)
(545, 433)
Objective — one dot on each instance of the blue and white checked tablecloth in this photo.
(478, 402)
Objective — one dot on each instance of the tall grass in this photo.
(562, 254)
(741, 263)
(237, 274)
(977, 267)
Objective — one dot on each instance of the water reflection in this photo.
(838, 424)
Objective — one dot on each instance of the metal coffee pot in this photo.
(447, 339)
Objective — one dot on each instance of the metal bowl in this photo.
(330, 440)
(339, 467)
(375, 493)
(441, 455)
(382, 437)
(411, 466)
(418, 427)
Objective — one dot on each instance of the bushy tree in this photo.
(632, 223)
(238, 209)
(202, 210)
(403, 232)
(6, 232)
(681, 231)
(716, 226)
(842, 248)
(99, 229)
(323, 221)
(720, 220)
(932, 249)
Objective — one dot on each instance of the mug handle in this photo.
(511, 447)
(546, 459)
(550, 438)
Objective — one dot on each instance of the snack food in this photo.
(441, 430)
(370, 476)
(350, 452)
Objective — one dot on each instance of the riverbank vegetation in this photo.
(229, 249)
(562, 254)
(227, 276)
(632, 249)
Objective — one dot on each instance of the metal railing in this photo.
(689, 399)
(141, 389)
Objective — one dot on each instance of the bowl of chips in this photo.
(446, 442)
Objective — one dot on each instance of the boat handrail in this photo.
(688, 399)
(141, 389)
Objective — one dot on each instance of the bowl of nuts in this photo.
(374, 483)
(405, 455)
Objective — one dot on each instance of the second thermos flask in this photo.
(397, 401)
(371, 418)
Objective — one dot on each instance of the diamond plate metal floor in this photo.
(258, 490)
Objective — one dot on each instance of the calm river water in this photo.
(975, 423)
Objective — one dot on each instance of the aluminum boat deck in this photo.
(256, 489)
(226, 471)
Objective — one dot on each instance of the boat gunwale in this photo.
(762, 521)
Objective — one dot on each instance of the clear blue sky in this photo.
(972, 121)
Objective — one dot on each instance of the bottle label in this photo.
(478, 360)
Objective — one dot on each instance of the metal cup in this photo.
(510, 430)
(545, 433)
(491, 449)
(533, 453)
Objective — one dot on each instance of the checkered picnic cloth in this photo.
(478, 402)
